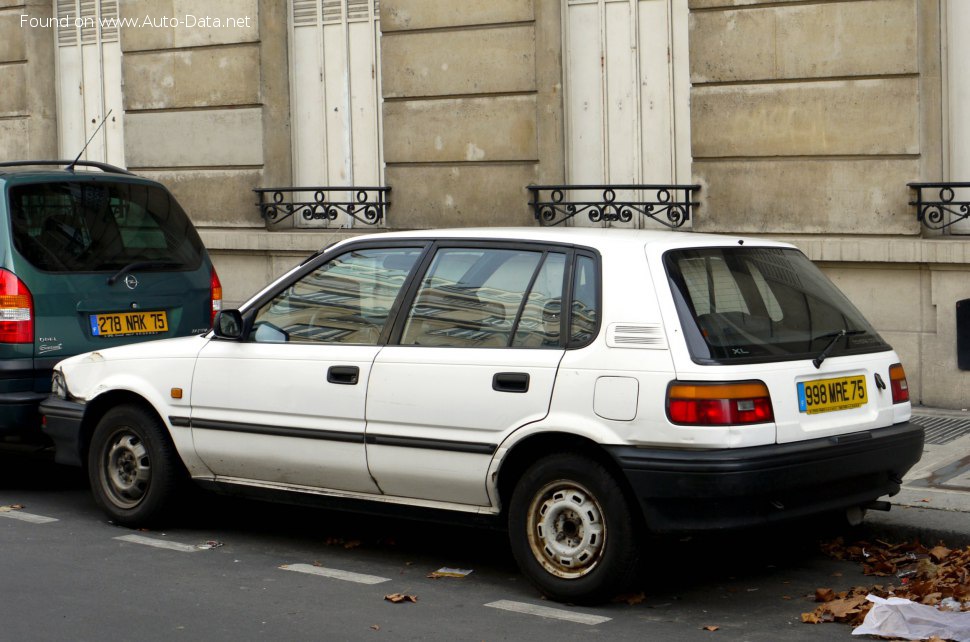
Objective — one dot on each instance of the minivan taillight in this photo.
(215, 295)
(16, 310)
(719, 404)
(897, 381)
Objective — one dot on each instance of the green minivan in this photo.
(91, 256)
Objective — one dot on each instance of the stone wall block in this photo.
(13, 90)
(460, 196)
(14, 140)
(475, 61)
(805, 41)
(464, 129)
(192, 78)
(211, 137)
(217, 198)
(13, 45)
(841, 117)
(806, 196)
(403, 15)
(174, 24)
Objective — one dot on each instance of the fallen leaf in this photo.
(824, 595)
(397, 598)
(376, 627)
(939, 553)
(7, 509)
(350, 544)
(811, 618)
(711, 628)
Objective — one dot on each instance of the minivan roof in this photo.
(20, 167)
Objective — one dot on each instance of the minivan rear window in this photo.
(749, 304)
(101, 226)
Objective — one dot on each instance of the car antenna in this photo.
(70, 167)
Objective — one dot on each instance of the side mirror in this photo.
(228, 324)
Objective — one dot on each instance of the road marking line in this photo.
(334, 573)
(158, 543)
(545, 611)
(27, 517)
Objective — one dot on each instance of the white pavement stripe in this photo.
(158, 543)
(27, 517)
(335, 574)
(545, 611)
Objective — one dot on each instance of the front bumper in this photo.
(681, 490)
(62, 423)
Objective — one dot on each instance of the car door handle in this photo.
(343, 375)
(511, 382)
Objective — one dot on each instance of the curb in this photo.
(929, 525)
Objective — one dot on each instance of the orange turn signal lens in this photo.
(719, 404)
(898, 383)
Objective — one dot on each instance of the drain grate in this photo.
(942, 430)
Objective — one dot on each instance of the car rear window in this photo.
(762, 304)
(101, 226)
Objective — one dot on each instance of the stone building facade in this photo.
(800, 120)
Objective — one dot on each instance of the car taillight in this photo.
(215, 295)
(897, 381)
(719, 404)
(16, 310)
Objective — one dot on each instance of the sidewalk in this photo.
(934, 503)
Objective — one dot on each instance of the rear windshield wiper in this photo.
(141, 265)
(834, 336)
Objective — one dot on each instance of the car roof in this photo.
(600, 238)
(59, 169)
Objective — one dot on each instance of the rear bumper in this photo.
(63, 425)
(707, 490)
(19, 419)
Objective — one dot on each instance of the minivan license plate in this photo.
(826, 395)
(128, 323)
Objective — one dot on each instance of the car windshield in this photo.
(762, 304)
(101, 226)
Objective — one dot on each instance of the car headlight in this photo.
(59, 385)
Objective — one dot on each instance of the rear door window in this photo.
(762, 304)
(101, 226)
(500, 297)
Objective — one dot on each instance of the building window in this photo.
(335, 94)
(88, 64)
(626, 90)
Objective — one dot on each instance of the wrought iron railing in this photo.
(368, 205)
(942, 211)
(669, 205)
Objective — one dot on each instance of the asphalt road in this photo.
(237, 570)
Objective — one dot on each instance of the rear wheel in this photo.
(133, 467)
(572, 531)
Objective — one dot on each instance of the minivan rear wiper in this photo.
(141, 265)
(835, 336)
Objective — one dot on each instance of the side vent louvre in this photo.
(636, 335)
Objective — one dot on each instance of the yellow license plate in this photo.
(826, 395)
(127, 323)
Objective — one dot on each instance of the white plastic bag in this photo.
(896, 617)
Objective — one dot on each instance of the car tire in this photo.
(133, 466)
(572, 531)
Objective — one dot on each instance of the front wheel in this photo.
(133, 467)
(572, 531)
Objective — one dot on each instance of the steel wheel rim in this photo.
(566, 529)
(126, 469)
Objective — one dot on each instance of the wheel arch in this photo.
(99, 406)
(535, 446)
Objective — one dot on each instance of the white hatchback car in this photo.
(587, 386)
